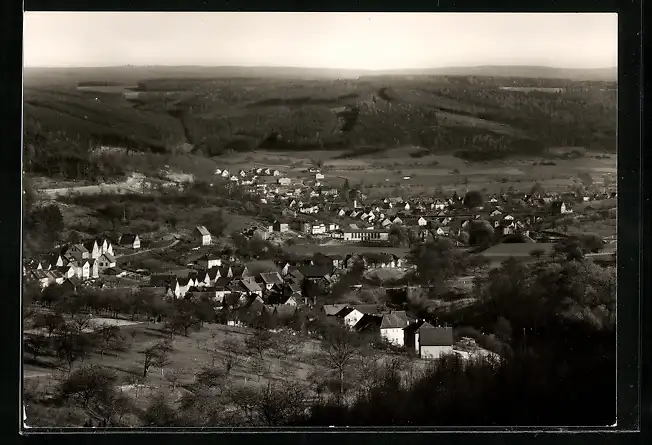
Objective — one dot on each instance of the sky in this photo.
(364, 41)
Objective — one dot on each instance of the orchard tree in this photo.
(481, 233)
(437, 261)
(473, 199)
(155, 355)
(339, 348)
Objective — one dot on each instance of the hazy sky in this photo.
(329, 40)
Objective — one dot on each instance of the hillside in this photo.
(213, 111)
(523, 71)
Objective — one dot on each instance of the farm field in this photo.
(343, 249)
(380, 176)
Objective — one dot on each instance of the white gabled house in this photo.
(204, 235)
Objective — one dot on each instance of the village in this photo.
(321, 217)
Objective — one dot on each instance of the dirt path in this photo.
(173, 243)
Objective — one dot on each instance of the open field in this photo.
(380, 176)
(343, 249)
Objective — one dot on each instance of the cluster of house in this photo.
(396, 327)
(81, 261)
(279, 282)
(436, 217)
(371, 221)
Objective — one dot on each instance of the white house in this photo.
(428, 341)
(392, 327)
(276, 173)
(105, 261)
(204, 235)
(319, 176)
(422, 222)
(407, 206)
(365, 234)
(284, 181)
(225, 173)
(209, 261)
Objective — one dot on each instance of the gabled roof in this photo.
(203, 231)
(295, 288)
(285, 310)
(333, 309)
(222, 283)
(89, 245)
(366, 308)
(238, 271)
(183, 281)
(108, 257)
(368, 322)
(74, 281)
(318, 271)
(436, 336)
(79, 247)
(250, 285)
(271, 278)
(393, 320)
(212, 273)
(127, 238)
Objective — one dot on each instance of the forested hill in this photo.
(516, 71)
(69, 113)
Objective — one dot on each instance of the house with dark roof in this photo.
(369, 324)
(435, 342)
(429, 341)
(270, 279)
(130, 240)
(239, 272)
(77, 251)
(332, 309)
(392, 327)
(70, 285)
(208, 261)
(353, 314)
(294, 276)
(105, 261)
(332, 261)
(251, 287)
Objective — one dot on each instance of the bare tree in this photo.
(233, 351)
(71, 346)
(274, 404)
(339, 348)
(367, 369)
(156, 355)
(36, 344)
(260, 342)
(93, 388)
(109, 337)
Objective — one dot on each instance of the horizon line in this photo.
(322, 68)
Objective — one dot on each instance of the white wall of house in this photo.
(353, 318)
(433, 352)
(393, 335)
(214, 263)
(205, 240)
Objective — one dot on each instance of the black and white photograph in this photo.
(276, 219)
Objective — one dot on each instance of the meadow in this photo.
(384, 175)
